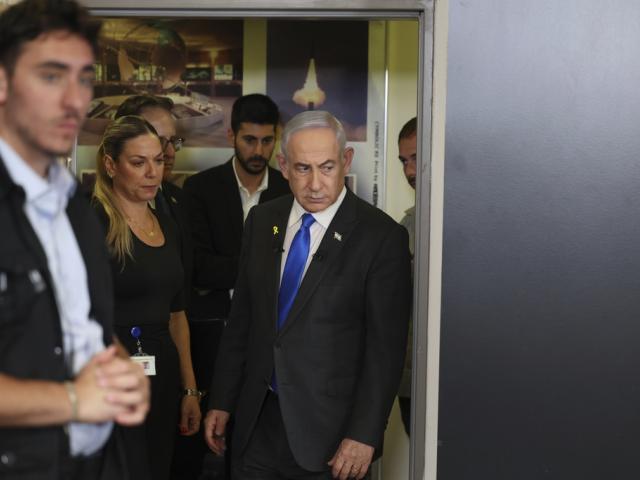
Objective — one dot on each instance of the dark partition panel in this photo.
(540, 366)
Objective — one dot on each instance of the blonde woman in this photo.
(148, 277)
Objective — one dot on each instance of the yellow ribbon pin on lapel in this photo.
(275, 230)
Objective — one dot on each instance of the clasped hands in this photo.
(111, 387)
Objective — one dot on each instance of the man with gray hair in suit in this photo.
(311, 358)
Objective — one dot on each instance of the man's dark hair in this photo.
(254, 108)
(409, 129)
(135, 104)
(27, 20)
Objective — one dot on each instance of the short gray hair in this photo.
(313, 119)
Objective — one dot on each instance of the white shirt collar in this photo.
(324, 217)
(263, 185)
(58, 179)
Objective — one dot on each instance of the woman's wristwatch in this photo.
(193, 392)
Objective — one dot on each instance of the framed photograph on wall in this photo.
(196, 62)
(201, 64)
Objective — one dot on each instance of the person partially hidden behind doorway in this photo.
(407, 151)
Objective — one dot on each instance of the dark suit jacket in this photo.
(215, 211)
(172, 201)
(339, 357)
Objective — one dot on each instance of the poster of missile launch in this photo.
(337, 66)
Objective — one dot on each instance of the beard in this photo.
(254, 165)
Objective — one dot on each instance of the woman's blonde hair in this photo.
(116, 135)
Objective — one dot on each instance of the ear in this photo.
(284, 166)
(347, 157)
(4, 85)
(109, 165)
(231, 137)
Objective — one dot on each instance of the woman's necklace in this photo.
(151, 232)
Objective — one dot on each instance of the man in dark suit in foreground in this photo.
(311, 358)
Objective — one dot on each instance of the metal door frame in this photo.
(424, 416)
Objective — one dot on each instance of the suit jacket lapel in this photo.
(278, 231)
(326, 255)
(267, 194)
(236, 214)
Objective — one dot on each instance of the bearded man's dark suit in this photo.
(216, 217)
(339, 356)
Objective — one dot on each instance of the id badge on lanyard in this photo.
(148, 362)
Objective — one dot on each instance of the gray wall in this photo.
(540, 364)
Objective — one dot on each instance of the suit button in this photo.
(277, 344)
(7, 459)
(57, 351)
